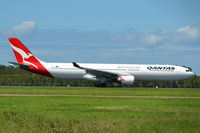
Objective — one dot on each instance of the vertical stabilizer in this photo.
(24, 56)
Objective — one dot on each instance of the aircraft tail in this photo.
(26, 60)
(20, 51)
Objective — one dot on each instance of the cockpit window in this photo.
(188, 70)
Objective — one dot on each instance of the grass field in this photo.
(99, 110)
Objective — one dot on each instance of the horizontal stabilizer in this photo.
(24, 66)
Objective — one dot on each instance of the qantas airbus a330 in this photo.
(123, 73)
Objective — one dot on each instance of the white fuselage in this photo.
(123, 73)
(140, 72)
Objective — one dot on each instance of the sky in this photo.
(91, 31)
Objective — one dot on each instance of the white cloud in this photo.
(181, 48)
(25, 28)
(151, 39)
(187, 34)
(130, 37)
(191, 32)
(123, 36)
(182, 36)
(164, 31)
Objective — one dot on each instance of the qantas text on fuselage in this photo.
(123, 73)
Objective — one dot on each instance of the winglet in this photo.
(75, 64)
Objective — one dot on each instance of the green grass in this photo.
(100, 91)
(99, 114)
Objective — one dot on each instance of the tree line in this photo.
(10, 76)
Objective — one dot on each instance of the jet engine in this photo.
(90, 77)
(128, 80)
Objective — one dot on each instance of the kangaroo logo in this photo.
(24, 55)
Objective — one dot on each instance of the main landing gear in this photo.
(100, 84)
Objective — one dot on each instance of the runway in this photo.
(95, 96)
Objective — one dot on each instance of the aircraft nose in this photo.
(192, 74)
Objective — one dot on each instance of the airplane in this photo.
(102, 73)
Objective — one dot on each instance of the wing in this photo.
(98, 73)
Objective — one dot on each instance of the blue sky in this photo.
(140, 31)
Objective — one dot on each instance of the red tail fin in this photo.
(24, 56)
(20, 51)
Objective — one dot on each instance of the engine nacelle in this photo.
(90, 77)
(128, 80)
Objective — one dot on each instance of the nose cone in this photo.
(191, 74)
